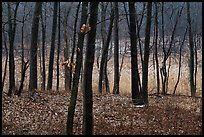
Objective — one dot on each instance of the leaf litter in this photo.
(113, 115)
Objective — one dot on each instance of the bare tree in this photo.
(155, 47)
(52, 50)
(167, 53)
(191, 47)
(24, 65)
(66, 48)
(74, 45)
(11, 34)
(139, 24)
(33, 49)
(6, 49)
(105, 54)
(116, 50)
(180, 53)
(88, 67)
(105, 83)
(134, 64)
(146, 54)
(43, 25)
(79, 58)
(58, 48)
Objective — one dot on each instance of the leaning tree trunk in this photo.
(88, 68)
(180, 53)
(24, 65)
(164, 73)
(74, 45)
(23, 72)
(52, 50)
(5, 66)
(79, 57)
(105, 54)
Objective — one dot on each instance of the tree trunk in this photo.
(5, 66)
(11, 33)
(146, 54)
(106, 75)
(122, 60)
(134, 64)
(43, 25)
(105, 54)
(52, 50)
(196, 64)
(67, 80)
(180, 52)
(139, 24)
(164, 73)
(155, 48)
(58, 48)
(105, 83)
(88, 67)
(116, 50)
(74, 90)
(33, 49)
(163, 68)
(191, 47)
(25, 67)
(74, 45)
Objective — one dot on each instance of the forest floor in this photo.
(46, 114)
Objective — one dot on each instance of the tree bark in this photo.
(116, 50)
(24, 65)
(5, 66)
(74, 45)
(155, 48)
(88, 67)
(52, 50)
(79, 58)
(33, 50)
(134, 64)
(146, 54)
(164, 73)
(104, 76)
(191, 47)
(43, 25)
(180, 52)
(105, 54)
(58, 48)
(11, 33)
(67, 80)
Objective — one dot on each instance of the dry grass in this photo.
(183, 87)
(125, 78)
